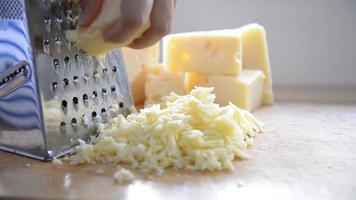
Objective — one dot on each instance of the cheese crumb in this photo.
(123, 176)
(184, 132)
(57, 161)
(28, 165)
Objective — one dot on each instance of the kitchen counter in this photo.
(308, 151)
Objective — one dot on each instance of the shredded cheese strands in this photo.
(186, 132)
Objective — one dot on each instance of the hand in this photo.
(134, 15)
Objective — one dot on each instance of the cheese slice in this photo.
(212, 52)
(162, 84)
(135, 59)
(255, 56)
(90, 38)
(244, 90)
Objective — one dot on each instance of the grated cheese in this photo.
(184, 132)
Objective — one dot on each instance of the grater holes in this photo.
(47, 21)
(74, 122)
(55, 62)
(59, 22)
(94, 114)
(86, 76)
(75, 78)
(103, 110)
(46, 42)
(114, 69)
(66, 82)
(113, 89)
(75, 100)
(105, 71)
(54, 86)
(84, 120)
(96, 74)
(64, 104)
(103, 91)
(121, 104)
(76, 57)
(85, 97)
(57, 39)
(46, 46)
(62, 126)
(95, 94)
(66, 60)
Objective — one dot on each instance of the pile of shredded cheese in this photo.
(185, 132)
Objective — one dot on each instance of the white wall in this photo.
(312, 42)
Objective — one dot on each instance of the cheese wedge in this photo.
(90, 39)
(135, 60)
(245, 90)
(255, 56)
(213, 52)
(163, 84)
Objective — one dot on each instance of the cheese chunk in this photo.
(123, 176)
(244, 90)
(90, 38)
(214, 52)
(162, 84)
(255, 56)
(135, 59)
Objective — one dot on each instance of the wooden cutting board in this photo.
(308, 151)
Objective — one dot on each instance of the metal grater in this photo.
(52, 93)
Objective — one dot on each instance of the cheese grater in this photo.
(52, 93)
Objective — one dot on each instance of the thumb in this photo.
(90, 10)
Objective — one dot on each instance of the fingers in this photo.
(135, 14)
(90, 10)
(161, 17)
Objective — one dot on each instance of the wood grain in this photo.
(308, 151)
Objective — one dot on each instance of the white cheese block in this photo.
(135, 59)
(255, 56)
(90, 39)
(162, 84)
(245, 90)
(212, 52)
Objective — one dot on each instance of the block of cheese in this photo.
(255, 56)
(154, 69)
(211, 52)
(244, 90)
(90, 38)
(162, 84)
(135, 59)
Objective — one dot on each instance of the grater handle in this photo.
(14, 77)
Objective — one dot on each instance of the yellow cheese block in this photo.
(135, 59)
(163, 84)
(255, 56)
(154, 69)
(90, 39)
(245, 90)
(213, 52)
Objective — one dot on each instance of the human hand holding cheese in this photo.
(109, 24)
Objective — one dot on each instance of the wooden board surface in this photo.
(308, 151)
